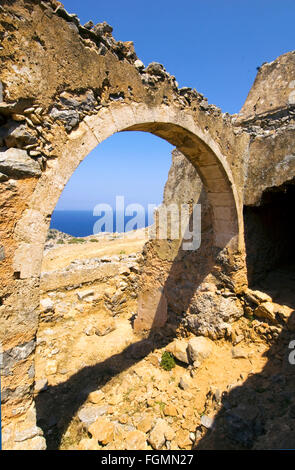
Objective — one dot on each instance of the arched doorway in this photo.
(178, 128)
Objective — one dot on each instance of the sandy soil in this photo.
(62, 255)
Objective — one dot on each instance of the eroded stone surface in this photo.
(49, 131)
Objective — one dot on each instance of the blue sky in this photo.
(211, 45)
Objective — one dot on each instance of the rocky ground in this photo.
(100, 386)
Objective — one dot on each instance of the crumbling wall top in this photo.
(273, 88)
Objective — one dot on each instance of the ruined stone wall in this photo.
(268, 118)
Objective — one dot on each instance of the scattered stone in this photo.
(179, 350)
(31, 371)
(115, 399)
(41, 385)
(47, 305)
(105, 327)
(51, 368)
(89, 414)
(217, 394)
(136, 440)
(196, 364)
(238, 339)
(192, 436)
(18, 117)
(160, 433)
(123, 419)
(183, 439)
(96, 396)
(29, 111)
(103, 28)
(266, 310)
(154, 68)
(102, 430)
(199, 349)
(26, 434)
(84, 294)
(204, 105)
(182, 384)
(207, 422)
(154, 360)
(88, 444)
(2, 251)
(145, 424)
(88, 25)
(70, 118)
(90, 330)
(34, 153)
(284, 312)
(257, 296)
(170, 410)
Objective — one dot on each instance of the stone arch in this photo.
(169, 123)
(181, 129)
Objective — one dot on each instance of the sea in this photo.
(81, 223)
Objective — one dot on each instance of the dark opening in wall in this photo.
(270, 232)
